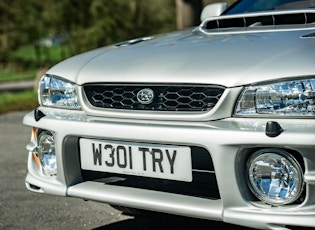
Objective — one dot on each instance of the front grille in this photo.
(166, 97)
(203, 185)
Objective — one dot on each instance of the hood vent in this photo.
(132, 42)
(272, 18)
(311, 35)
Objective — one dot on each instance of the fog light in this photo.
(274, 176)
(46, 153)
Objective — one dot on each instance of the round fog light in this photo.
(46, 153)
(274, 176)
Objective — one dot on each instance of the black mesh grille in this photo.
(166, 98)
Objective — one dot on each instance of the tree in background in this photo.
(24, 24)
(87, 24)
(114, 21)
(188, 13)
(9, 36)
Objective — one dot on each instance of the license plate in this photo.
(148, 160)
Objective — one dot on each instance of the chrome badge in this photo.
(145, 96)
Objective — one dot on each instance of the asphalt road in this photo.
(21, 209)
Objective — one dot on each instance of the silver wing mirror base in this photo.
(213, 10)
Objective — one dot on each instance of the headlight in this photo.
(274, 176)
(56, 92)
(290, 98)
(46, 153)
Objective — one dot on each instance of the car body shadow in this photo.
(164, 221)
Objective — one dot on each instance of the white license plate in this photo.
(148, 160)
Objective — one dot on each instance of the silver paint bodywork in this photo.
(196, 57)
(230, 58)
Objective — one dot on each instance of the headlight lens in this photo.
(290, 98)
(56, 92)
(46, 153)
(274, 176)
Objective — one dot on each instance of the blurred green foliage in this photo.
(22, 101)
(11, 76)
(26, 28)
(37, 33)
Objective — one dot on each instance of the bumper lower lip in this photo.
(192, 206)
(151, 200)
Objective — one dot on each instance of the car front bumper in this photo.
(229, 142)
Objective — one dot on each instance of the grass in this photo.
(11, 76)
(24, 63)
(21, 101)
(17, 101)
(48, 55)
(22, 68)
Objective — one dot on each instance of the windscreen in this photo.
(246, 6)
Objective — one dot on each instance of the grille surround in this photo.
(171, 98)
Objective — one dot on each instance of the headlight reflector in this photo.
(274, 176)
(56, 92)
(46, 153)
(291, 98)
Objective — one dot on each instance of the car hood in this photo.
(192, 56)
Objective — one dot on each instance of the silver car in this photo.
(214, 122)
